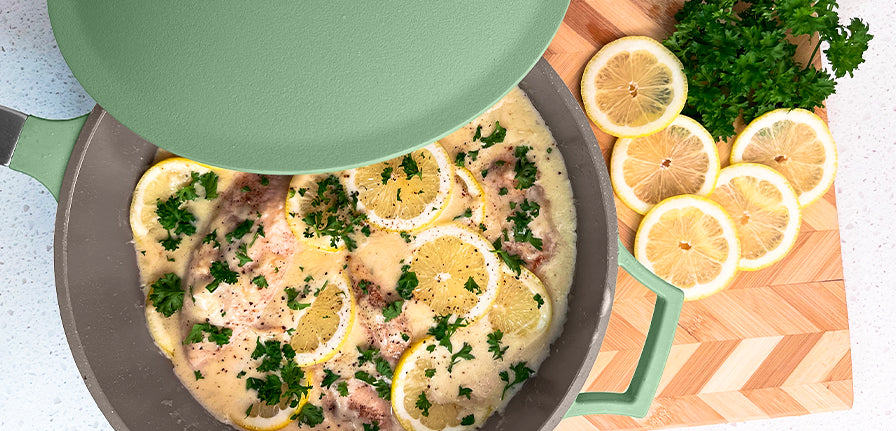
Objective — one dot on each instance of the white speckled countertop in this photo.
(40, 388)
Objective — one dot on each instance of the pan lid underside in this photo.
(300, 86)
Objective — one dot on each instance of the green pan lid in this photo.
(302, 85)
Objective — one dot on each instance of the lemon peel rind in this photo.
(708, 206)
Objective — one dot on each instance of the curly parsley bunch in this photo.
(739, 60)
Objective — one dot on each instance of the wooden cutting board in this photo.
(775, 343)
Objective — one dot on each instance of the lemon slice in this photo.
(261, 417)
(159, 330)
(633, 87)
(320, 196)
(690, 242)
(523, 308)
(796, 143)
(324, 326)
(445, 260)
(159, 182)
(765, 210)
(475, 194)
(680, 159)
(406, 193)
(447, 409)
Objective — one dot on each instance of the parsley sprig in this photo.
(494, 344)
(739, 60)
(521, 373)
(167, 295)
(216, 334)
(526, 213)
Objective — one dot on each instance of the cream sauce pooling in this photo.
(378, 259)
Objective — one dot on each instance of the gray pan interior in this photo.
(133, 384)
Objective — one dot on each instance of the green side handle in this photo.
(636, 400)
(43, 149)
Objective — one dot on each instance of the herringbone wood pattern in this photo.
(775, 343)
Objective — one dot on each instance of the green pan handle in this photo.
(37, 147)
(636, 400)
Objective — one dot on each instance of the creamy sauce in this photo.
(254, 312)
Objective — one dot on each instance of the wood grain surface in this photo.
(775, 343)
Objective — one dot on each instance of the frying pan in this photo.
(102, 306)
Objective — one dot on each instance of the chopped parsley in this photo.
(527, 212)
(242, 254)
(386, 175)
(375, 426)
(423, 404)
(366, 355)
(310, 415)
(382, 387)
(405, 236)
(459, 160)
(472, 287)
(246, 189)
(270, 353)
(268, 389)
(198, 375)
(216, 334)
(398, 195)
(260, 281)
(170, 243)
(329, 378)
(392, 310)
(521, 373)
(264, 180)
(429, 372)
(222, 274)
(468, 420)
(466, 214)
(292, 300)
(538, 300)
(342, 388)
(382, 366)
(239, 231)
(405, 337)
(212, 238)
(463, 353)
(409, 165)
(292, 193)
(484, 172)
(167, 295)
(464, 392)
(209, 182)
(496, 137)
(444, 329)
(502, 191)
(513, 261)
(363, 285)
(525, 170)
(474, 154)
(333, 213)
(407, 282)
(494, 344)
